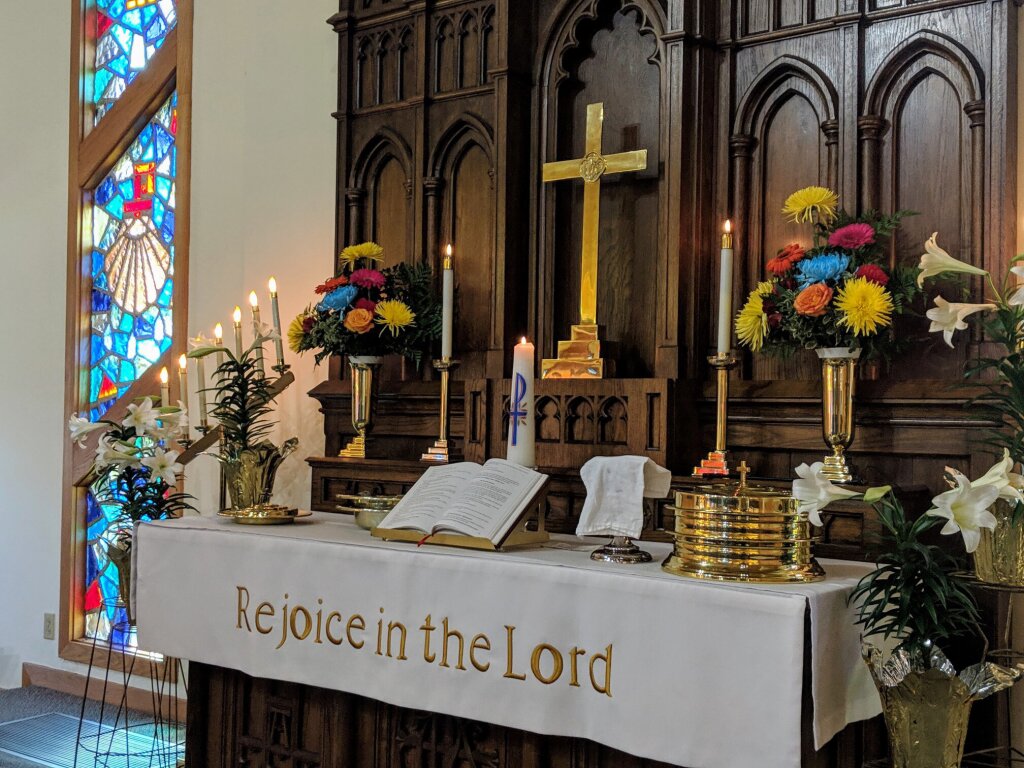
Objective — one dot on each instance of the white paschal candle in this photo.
(725, 294)
(521, 435)
(447, 304)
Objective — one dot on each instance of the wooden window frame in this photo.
(92, 152)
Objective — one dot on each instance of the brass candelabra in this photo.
(440, 451)
(717, 462)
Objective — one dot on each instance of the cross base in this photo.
(578, 358)
(715, 465)
(356, 448)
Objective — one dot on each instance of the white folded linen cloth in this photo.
(616, 489)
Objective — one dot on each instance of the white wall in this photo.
(262, 203)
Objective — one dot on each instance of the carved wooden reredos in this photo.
(448, 109)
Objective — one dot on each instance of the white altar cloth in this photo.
(703, 675)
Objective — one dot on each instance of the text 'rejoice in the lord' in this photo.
(449, 648)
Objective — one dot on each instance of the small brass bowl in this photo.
(368, 510)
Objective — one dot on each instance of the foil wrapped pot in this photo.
(739, 532)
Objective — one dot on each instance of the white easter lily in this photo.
(79, 427)
(1002, 478)
(112, 453)
(950, 316)
(935, 261)
(163, 465)
(1017, 299)
(965, 507)
(142, 416)
(814, 491)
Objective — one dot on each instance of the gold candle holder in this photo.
(717, 462)
(439, 452)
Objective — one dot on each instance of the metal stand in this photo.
(621, 549)
(717, 461)
(439, 452)
(114, 738)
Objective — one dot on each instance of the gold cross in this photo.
(581, 355)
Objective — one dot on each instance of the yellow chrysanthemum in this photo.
(353, 253)
(296, 334)
(812, 202)
(394, 314)
(864, 307)
(765, 288)
(752, 322)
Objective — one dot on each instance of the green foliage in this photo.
(914, 594)
(243, 398)
(138, 497)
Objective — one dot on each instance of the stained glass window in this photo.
(131, 258)
(128, 33)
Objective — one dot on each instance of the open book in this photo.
(483, 502)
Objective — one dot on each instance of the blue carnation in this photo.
(828, 267)
(339, 298)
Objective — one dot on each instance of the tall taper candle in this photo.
(447, 304)
(183, 380)
(521, 435)
(218, 340)
(165, 388)
(254, 302)
(725, 293)
(236, 317)
(275, 313)
(204, 417)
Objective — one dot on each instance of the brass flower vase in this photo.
(121, 557)
(999, 558)
(365, 384)
(250, 473)
(838, 382)
(926, 704)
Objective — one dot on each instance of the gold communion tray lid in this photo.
(737, 497)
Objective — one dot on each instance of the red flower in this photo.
(367, 278)
(366, 304)
(330, 285)
(774, 320)
(307, 323)
(785, 259)
(873, 274)
(852, 236)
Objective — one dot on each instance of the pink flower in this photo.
(366, 304)
(367, 278)
(873, 274)
(852, 236)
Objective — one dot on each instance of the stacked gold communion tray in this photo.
(732, 531)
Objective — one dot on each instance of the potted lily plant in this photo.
(135, 471)
(915, 599)
(999, 557)
(243, 396)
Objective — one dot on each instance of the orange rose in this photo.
(359, 320)
(813, 300)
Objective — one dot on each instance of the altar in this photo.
(543, 640)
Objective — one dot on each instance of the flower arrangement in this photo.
(366, 311)
(134, 464)
(840, 292)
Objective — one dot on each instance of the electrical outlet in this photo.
(49, 626)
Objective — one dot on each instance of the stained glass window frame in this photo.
(94, 158)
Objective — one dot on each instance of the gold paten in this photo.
(739, 532)
(580, 358)
(264, 514)
(999, 558)
(364, 401)
(717, 461)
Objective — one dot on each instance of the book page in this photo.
(428, 500)
(490, 503)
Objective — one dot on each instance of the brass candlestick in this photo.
(717, 462)
(439, 452)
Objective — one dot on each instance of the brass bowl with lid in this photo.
(739, 532)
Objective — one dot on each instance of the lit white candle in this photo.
(183, 380)
(236, 317)
(725, 293)
(218, 339)
(254, 302)
(447, 304)
(521, 435)
(275, 312)
(165, 387)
